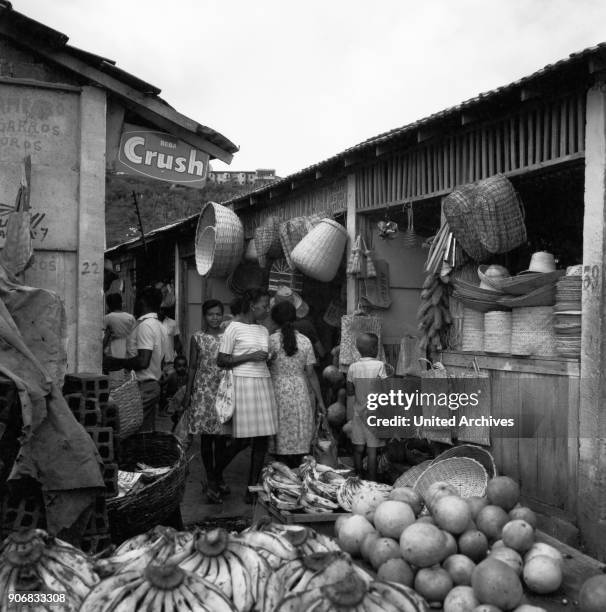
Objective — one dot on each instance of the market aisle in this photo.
(193, 508)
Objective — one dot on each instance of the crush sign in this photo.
(161, 156)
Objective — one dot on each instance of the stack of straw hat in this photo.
(567, 313)
(532, 331)
(497, 332)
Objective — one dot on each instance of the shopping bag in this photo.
(224, 402)
(130, 406)
(324, 445)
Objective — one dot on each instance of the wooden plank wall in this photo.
(534, 137)
(545, 464)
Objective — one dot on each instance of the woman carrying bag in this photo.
(244, 350)
(203, 381)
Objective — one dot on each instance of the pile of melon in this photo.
(467, 555)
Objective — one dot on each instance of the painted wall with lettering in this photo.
(67, 199)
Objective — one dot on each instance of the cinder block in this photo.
(98, 523)
(110, 416)
(94, 544)
(22, 513)
(85, 409)
(103, 437)
(110, 477)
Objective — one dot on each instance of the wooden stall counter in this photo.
(545, 460)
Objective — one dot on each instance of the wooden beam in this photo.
(352, 281)
(349, 161)
(149, 107)
(424, 134)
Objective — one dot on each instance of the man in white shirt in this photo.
(147, 347)
(174, 338)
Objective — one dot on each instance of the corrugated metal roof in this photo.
(58, 42)
(391, 135)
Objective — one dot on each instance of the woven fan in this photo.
(354, 264)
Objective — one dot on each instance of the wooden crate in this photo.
(322, 522)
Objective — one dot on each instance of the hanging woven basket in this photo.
(219, 240)
(319, 254)
(267, 241)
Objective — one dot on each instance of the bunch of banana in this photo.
(228, 562)
(353, 593)
(36, 561)
(433, 314)
(165, 588)
(352, 486)
(156, 546)
(310, 468)
(307, 541)
(282, 486)
(310, 572)
(315, 503)
(274, 548)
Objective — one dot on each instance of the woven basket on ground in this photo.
(497, 214)
(457, 210)
(471, 451)
(138, 512)
(319, 254)
(219, 240)
(473, 330)
(532, 331)
(466, 475)
(267, 241)
(497, 332)
(409, 477)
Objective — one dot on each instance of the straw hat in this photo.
(541, 261)
(286, 294)
(490, 276)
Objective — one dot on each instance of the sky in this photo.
(294, 82)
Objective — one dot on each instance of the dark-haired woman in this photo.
(293, 374)
(202, 384)
(245, 350)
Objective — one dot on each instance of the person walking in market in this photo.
(244, 349)
(292, 374)
(117, 326)
(147, 346)
(202, 385)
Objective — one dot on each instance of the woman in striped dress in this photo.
(245, 349)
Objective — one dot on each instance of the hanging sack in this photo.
(370, 270)
(375, 291)
(267, 241)
(324, 445)
(353, 264)
(130, 407)
(224, 402)
(333, 313)
(408, 359)
(435, 381)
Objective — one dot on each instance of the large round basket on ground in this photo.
(157, 501)
(466, 475)
(219, 240)
(320, 252)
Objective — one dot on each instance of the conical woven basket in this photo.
(532, 331)
(471, 451)
(320, 252)
(472, 337)
(409, 477)
(219, 240)
(267, 241)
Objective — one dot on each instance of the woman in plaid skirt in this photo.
(245, 349)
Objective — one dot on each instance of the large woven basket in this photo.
(543, 296)
(473, 330)
(150, 506)
(219, 240)
(471, 451)
(532, 332)
(291, 232)
(457, 210)
(319, 254)
(497, 214)
(466, 475)
(497, 332)
(409, 477)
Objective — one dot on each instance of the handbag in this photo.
(130, 406)
(324, 445)
(224, 402)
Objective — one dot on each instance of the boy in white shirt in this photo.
(362, 378)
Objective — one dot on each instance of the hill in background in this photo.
(159, 203)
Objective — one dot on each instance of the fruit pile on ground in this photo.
(466, 555)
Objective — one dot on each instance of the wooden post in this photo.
(592, 416)
(91, 230)
(352, 282)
